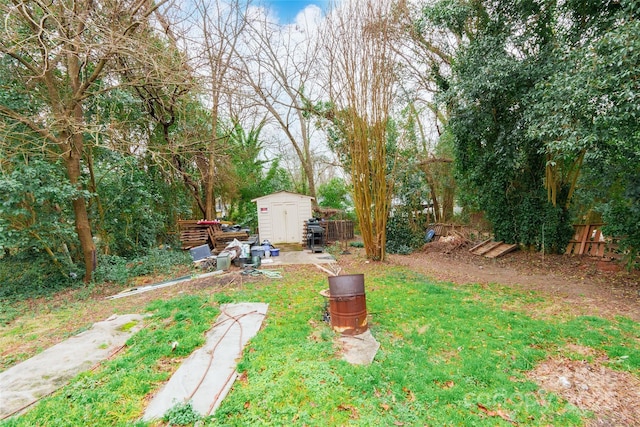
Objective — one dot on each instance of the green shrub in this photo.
(112, 268)
(8, 312)
(402, 238)
(31, 274)
(181, 414)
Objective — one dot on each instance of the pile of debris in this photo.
(452, 241)
(216, 234)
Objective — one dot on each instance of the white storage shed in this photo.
(281, 216)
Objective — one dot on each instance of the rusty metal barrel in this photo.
(347, 304)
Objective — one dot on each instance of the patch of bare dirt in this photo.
(580, 284)
(612, 396)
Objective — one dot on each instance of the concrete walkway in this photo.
(25, 383)
(359, 349)
(299, 257)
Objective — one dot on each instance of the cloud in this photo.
(310, 16)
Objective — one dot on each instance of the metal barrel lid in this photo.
(346, 285)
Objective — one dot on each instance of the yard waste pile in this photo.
(449, 243)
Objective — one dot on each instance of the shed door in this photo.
(284, 218)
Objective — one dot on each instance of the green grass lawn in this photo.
(446, 353)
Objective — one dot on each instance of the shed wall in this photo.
(292, 210)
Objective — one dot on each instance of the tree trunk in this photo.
(437, 216)
(448, 192)
(209, 197)
(308, 171)
(447, 203)
(99, 221)
(83, 226)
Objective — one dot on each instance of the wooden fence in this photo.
(334, 230)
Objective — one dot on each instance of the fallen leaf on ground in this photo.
(499, 413)
(411, 397)
(350, 408)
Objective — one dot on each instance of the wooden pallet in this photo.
(587, 240)
(222, 239)
(193, 237)
(492, 249)
(193, 234)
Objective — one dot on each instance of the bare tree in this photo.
(362, 80)
(278, 67)
(426, 53)
(168, 87)
(221, 25)
(62, 52)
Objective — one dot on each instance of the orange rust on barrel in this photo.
(348, 314)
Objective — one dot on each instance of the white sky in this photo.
(294, 38)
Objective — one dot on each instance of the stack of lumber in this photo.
(221, 240)
(193, 234)
(196, 233)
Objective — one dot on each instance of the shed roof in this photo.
(280, 192)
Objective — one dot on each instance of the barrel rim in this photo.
(346, 285)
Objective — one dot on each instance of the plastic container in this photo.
(223, 262)
(275, 252)
(256, 261)
(257, 251)
(245, 250)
